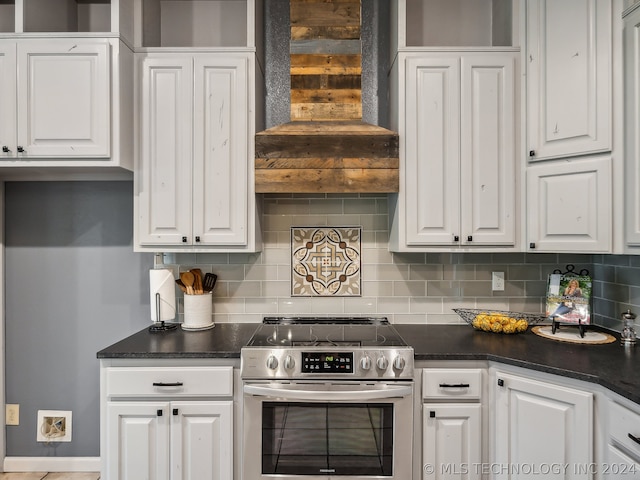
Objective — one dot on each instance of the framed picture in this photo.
(569, 298)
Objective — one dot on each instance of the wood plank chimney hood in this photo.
(326, 147)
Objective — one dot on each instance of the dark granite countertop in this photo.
(611, 365)
(223, 341)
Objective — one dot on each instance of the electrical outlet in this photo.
(54, 426)
(497, 281)
(12, 414)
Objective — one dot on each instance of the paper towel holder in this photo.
(161, 326)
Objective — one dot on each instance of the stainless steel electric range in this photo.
(327, 398)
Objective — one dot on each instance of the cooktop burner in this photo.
(323, 332)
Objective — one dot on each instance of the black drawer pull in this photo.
(175, 412)
(634, 438)
(163, 384)
(454, 385)
(159, 413)
(500, 382)
(432, 414)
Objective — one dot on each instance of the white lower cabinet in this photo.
(167, 423)
(451, 443)
(623, 446)
(170, 440)
(452, 424)
(541, 428)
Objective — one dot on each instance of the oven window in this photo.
(327, 438)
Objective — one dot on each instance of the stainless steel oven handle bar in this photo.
(288, 393)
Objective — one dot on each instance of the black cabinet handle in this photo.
(454, 385)
(532, 153)
(456, 238)
(159, 413)
(469, 238)
(432, 414)
(5, 149)
(634, 438)
(163, 384)
(20, 149)
(184, 239)
(532, 245)
(175, 412)
(500, 382)
(197, 239)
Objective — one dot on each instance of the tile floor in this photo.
(50, 476)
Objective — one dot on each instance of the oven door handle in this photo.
(323, 395)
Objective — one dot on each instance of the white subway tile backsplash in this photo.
(406, 287)
(327, 305)
(427, 305)
(360, 306)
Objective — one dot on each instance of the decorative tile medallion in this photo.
(325, 261)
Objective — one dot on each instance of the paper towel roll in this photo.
(161, 281)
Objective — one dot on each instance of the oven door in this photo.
(319, 430)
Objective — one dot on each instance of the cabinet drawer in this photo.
(451, 383)
(624, 422)
(171, 381)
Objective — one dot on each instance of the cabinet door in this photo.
(432, 153)
(569, 206)
(138, 440)
(568, 64)
(64, 99)
(488, 156)
(221, 176)
(165, 170)
(7, 99)
(202, 440)
(452, 439)
(537, 423)
(632, 125)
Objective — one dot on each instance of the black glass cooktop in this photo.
(326, 332)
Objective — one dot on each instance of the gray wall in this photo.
(74, 286)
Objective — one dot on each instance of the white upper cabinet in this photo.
(632, 125)
(570, 206)
(193, 176)
(63, 99)
(66, 88)
(8, 109)
(458, 154)
(568, 78)
(197, 120)
(570, 105)
(454, 103)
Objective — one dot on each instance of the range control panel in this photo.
(261, 363)
(334, 362)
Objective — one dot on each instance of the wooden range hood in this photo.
(326, 148)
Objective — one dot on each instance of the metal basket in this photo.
(493, 316)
